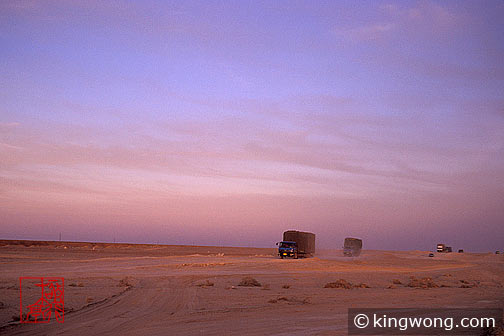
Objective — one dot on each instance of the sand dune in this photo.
(121, 289)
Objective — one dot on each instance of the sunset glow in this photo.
(226, 123)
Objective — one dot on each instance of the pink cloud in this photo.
(423, 17)
(366, 32)
(6, 126)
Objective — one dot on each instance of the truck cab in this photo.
(287, 249)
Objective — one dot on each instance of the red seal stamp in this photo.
(41, 298)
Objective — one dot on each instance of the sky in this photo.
(228, 122)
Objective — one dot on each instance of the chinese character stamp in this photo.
(40, 299)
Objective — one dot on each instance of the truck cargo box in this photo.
(352, 247)
(305, 242)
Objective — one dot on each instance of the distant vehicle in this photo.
(442, 248)
(497, 252)
(431, 255)
(460, 251)
(297, 244)
(352, 247)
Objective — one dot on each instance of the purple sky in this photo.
(228, 122)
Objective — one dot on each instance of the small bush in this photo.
(341, 283)
(123, 283)
(249, 282)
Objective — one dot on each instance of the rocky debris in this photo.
(201, 264)
(73, 284)
(422, 283)
(291, 300)
(467, 284)
(397, 282)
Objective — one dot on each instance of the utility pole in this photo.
(60, 236)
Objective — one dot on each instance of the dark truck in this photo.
(352, 247)
(297, 244)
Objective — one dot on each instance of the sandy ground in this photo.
(120, 289)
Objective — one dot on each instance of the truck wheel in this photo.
(281, 256)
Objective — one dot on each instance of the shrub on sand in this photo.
(249, 282)
(342, 283)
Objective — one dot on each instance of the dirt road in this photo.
(153, 290)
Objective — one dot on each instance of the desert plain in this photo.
(131, 289)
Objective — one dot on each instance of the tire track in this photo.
(139, 306)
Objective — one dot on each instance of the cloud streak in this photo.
(375, 120)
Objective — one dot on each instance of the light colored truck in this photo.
(352, 247)
(442, 248)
